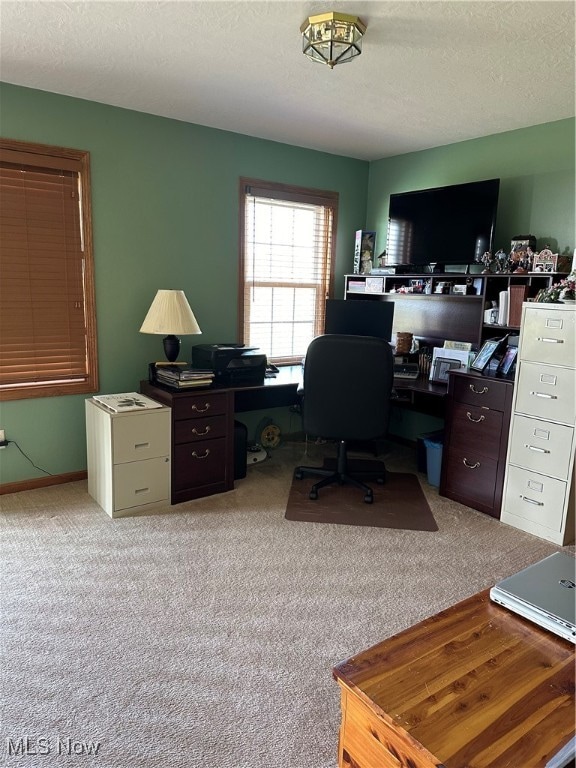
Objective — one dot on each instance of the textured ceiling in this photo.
(431, 73)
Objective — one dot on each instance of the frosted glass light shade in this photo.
(170, 313)
(332, 38)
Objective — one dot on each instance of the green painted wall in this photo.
(165, 215)
(536, 169)
(165, 202)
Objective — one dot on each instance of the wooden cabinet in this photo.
(447, 312)
(202, 440)
(128, 458)
(539, 495)
(475, 441)
(473, 685)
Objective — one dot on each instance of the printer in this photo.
(234, 365)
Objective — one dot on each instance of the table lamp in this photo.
(170, 313)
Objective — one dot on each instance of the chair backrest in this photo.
(347, 387)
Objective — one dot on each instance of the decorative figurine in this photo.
(487, 259)
(501, 260)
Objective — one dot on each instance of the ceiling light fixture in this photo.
(332, 38)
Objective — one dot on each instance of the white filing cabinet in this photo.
(128, 458)
(539, 483)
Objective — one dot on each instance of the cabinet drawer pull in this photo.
(470, 466)
(201, 410)
(544, 395)
(478, 391)
(471, 418)
(550, 341)
(197, 432)
(141, 490)
(206, 454)
(140, 445)
(532, 501)
(535, 448)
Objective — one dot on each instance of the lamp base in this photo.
(171, 347)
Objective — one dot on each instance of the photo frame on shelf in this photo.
(508, 361)
(485, 354)
(445, 360)
(440, 368)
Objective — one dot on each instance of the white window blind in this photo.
(47, 337)
(286, 275)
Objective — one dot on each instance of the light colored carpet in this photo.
(206, 635)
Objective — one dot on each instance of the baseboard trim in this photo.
(42, 482)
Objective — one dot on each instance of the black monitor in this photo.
(360, 317)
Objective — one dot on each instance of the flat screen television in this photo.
(445, 225)
(360, 317)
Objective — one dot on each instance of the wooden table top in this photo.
(474, 685)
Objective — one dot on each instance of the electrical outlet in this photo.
(3, 440)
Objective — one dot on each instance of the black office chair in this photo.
(347, 390)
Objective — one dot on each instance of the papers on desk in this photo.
(127, 401)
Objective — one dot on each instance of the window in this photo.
(47, 316)
(287, 238)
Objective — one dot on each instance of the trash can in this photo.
(436, 437)
(433, 460)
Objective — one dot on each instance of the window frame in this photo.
(295, 194)
(45, 156)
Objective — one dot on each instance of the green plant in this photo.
(564, 290)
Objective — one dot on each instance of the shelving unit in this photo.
(435, 315)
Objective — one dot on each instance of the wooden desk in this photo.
(202, 429)
(473, 687)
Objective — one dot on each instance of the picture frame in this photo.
(508, 361)
(440, 368)
(485, 354)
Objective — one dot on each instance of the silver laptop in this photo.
(544, 593)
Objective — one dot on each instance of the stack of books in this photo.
(183, 378)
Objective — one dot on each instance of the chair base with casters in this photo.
(343, 474)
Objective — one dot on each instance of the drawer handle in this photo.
(478, 392)
(535, 448)
(544, 395)
(201, 410)
(141, 445)
(196, 432)
(550, 341)
(206, 454)
(141, 490)
(532, 501)
(471, 418)
(470, 466)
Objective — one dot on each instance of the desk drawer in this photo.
(480, 392)
(200, 463)
(201, 428)
(200, 405)
(480, 428)
(471, 476)
(546, 391)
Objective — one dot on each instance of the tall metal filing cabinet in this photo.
(476, 435)
(128, 458)
(539, 483)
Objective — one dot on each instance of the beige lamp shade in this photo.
(170, 313)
